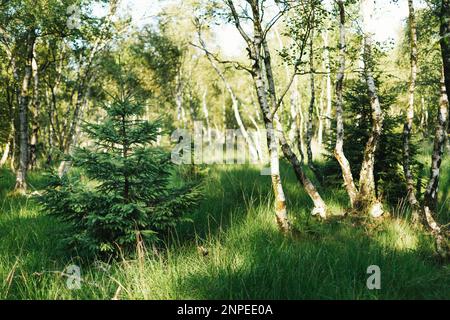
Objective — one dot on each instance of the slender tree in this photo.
(320, 207)
(35, 111)
(234, 100)
(85, 77)
(312, 101)
(339, 148)
(327, 64)
(431, 192)
(254, 47)
(21, 176)
(367, 198)
(445, 40)
(410, 112)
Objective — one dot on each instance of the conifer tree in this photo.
(123, 191)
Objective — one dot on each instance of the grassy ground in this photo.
(248, 258)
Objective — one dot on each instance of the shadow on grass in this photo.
(231, 191)
(248, 258)
(265, 265)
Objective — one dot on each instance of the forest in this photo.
(224, 149)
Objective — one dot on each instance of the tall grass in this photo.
(242, 255)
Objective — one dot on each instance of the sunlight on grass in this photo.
(398, 234)
(247, 257)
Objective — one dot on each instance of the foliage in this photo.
(389, 178)
(124, 193)
(247, 254)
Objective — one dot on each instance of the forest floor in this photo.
(247, 257)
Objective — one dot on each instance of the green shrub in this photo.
(122, 189)
(389, 178)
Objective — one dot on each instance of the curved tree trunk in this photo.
(319, 205)
(254, 47)
(431, 193)
(272, 143)
(367, 199)
(339, 148)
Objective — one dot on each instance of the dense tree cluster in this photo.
(338, 106)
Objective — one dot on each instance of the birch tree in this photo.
(21, 176)
(254, 47)
(367, 199)
(85, 76)
(444, 17)
(339, 148)
(327, 64)
(431, 192)
(234, 100)
(35, 110)
(264, 82)
(410, 112)
(312, 101)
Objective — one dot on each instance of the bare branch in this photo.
(209, 54)
(238, 25)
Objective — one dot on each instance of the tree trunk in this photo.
(431, 192)
(320, 116)
(407, 128)
(272, 144)
(36, 111)
(445, 40)
(326, 56)
(12, 163)
(319, 205)
(339, 149)
(300, 126)
(21, 176)
(309, 128)
(234, 101)
(424, 119)
(6, 152)
(206, 114)
(367, 199)
(254, 47)
(179, 101)
(74, 130)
